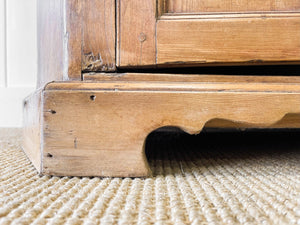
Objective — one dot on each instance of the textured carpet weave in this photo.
(224, 178)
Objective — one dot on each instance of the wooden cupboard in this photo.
(90, 115)
(188, 32)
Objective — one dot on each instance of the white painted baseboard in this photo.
(18, 58)
(11, 105)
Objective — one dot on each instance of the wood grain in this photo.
(196, 6)
(154, 77)
(136, 33)
(238, 33)
(98, 46)
(73, 39)
(83, 120)
(253, 40)
(32, 136)
(288, 121)
(75, 36)
(90, 27)
(50, 41)
(180, 87)
(59, 40)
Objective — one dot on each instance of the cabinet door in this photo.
(205, 32)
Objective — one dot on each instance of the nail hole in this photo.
(49, 155)
(93, 97)
(142, 37)
(52, 111)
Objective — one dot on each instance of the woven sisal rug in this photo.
(223, 178)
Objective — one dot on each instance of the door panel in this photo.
(136, 32)
(196, 6)
(229, 40)
(183, 32)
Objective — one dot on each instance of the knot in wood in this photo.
(142, 37)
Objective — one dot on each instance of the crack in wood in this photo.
(91, 62)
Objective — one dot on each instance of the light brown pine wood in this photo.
(90, 37)
(136, 33)
(50, 41)
(196, 6)
(32, 128)
(223, 33)
(75, 36)
(248, 39)
(72, 37)
(98, 45)
(100, 128)
(200, 78)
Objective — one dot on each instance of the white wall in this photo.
(2, 44)
(18, 58)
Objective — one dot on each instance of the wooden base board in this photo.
(99, 128)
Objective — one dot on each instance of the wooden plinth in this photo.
(98, 127)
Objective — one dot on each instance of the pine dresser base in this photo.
(98, 127)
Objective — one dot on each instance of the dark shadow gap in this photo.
(274, 70)
(173, 152)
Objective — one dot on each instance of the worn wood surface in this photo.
(73, 22)
(75, 36)
(207, 78)
(59, 40)
(32, 136)
(81, 36)
(91, 36)
(98, 45)
(136, 33)
(99, 128)
(181, 87)
(290, 120)
(249, 39)
(222, 33)
(196, 6)
(50, 41)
